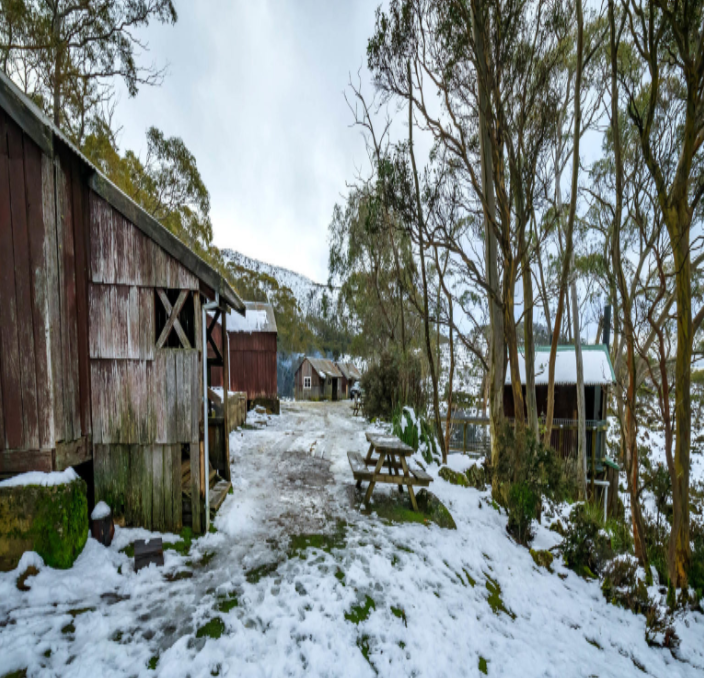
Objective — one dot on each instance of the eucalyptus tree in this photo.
(664, 103)
(67, 54)
(490, 65)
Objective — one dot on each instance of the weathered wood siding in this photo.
(146, 401)
(44, 370)
(142, 484)
(317, 391)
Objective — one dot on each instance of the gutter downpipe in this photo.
(210, 306)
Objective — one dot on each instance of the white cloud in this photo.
(255, 89)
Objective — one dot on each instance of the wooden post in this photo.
(593, 462)
(195, 456)
(226, 391)
(464, 438)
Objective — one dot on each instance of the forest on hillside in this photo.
(564, 175)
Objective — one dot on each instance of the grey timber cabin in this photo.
(101, 333)
(318, 379)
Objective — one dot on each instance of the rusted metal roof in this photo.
(325, 368)
(43, 132)
(349, 371)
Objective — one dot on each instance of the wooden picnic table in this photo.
(391, 452)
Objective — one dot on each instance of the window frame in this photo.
(307, 383)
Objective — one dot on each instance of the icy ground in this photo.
(392, 600)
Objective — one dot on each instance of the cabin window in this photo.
(175, 325)
(306, 382)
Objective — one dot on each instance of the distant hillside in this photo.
(305, 312)
(312, 297)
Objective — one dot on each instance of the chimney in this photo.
(606, 331)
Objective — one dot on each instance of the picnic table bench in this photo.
(392, 453)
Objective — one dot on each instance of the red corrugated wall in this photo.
(252, 363)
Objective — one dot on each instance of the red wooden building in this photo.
(101, 331)
(252, 349)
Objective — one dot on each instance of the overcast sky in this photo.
(255, 89)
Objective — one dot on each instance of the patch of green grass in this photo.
(254, 575)
(393, 509)
(80, 610)
(178, 576)
(116, 637)
(402, 547)
(340, 576)
(228, 603)
(16, 674)
(494, 599)
(213, 629)
(323, 542)
(360, 613)
(470, 580)
(402, 645)
(47, 653)
(128, 550)
(231, 490)
(151, 664)
(69, 628)
(207, 557)
(363, 645)
(593, 642)
(483, 666)
(183, 546)
(400, 614)
(212, 529)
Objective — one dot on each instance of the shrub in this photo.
(586, 547)
(415, 431)
(525, 479)
(380, 384)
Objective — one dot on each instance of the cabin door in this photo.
(334, 389)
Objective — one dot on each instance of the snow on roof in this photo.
(258, 317)
(595, 359)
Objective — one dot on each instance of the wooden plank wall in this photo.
(142, 484)
(44, 380)
(146, 402)
(122, 255)
(317, 385)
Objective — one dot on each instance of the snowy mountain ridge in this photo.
(308, 293)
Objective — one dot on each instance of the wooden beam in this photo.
(73, 453)
(211, 341)
(173, 321)
(26, 115)
(226, 390)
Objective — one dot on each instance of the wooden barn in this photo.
(101, 334)
(252, 349)
(317, 379)
(350, 376)
(598, 377)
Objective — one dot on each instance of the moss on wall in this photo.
(53, 521)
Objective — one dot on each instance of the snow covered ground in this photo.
(375, 598)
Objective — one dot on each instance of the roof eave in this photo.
(165, 239)
(42, 131)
